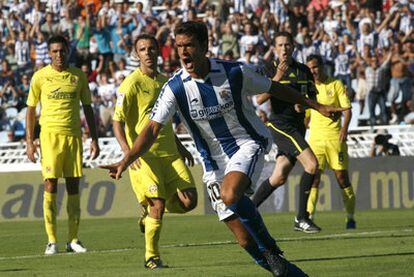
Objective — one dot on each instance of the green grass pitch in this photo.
(383, 245)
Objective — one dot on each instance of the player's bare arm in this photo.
(94, 148)
(31, 149)
(290, 95)
(184, 153)
(120, 135)
(343, 133)
(141, 145)
(261, 98)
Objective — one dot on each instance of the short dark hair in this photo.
(318, 58)
(148, 37)
(57, 39)
(284, 34)
(194, 29)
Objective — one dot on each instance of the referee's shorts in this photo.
(290, 140)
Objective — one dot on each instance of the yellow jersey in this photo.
(331, 92)
(136, 97)
(60, 94)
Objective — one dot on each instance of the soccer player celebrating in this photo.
(327, 138)
(211, 97)
(160, 179)
(59, 88)
(286, 124)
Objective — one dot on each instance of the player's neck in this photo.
(201, 70)
(150, 72)
(321, 79)
(59, 68)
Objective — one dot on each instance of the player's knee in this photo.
(157, 208)
(312, 166)
(50, 185)
(278, 180)
(228, 197)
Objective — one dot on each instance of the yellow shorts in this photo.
(134, 178)
(331, 152)
(61, 155)
(160, 178)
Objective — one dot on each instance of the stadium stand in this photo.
(101, 35)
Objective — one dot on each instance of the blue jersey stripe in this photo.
(235, 77)
(178, 89)
(218, 125)
(254, 161)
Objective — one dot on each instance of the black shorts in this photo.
(290, 140)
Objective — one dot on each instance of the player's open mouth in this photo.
(188, 63)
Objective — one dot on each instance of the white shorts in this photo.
(249, 160)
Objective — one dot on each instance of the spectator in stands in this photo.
(82, 35)
(8, 94)
(107, 93)
(22, 52)
(376, 85)
(361, 28)
(65, 23)
(382, 147)
(361, 92)
(400, 85)
(49, 27)
(23, 92)
(6, 74)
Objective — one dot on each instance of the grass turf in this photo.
(382, 245)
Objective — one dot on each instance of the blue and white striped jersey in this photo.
(216, 110)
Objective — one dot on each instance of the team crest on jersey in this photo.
(330, 92)
(153, 188)
(73, 80)
(225, 95)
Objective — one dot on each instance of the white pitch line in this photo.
(309, 237)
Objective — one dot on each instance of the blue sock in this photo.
(253, 222)
(257, 255)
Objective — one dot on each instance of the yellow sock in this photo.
(313, 199)
(73, 209)
(348, 197)
(172, 205)
(49, 215)
(152, 237)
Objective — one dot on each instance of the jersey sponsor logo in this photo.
(209, 113)
(225, 95)
(57, 94)
(195, 100)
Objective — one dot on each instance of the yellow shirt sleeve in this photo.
(34, 92)
(85, 93)
(123, 102)
(342, 97)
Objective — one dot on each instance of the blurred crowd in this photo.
(367, 44)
